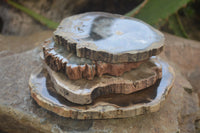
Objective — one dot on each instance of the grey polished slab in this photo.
(109, 37)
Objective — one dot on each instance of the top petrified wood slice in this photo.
(60, 60)
(109, 37)
(84, 91)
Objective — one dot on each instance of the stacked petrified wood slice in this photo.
(98, 64)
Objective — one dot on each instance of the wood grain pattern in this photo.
(102, 108)
(60, 60)
(109, 38)
(84, 91)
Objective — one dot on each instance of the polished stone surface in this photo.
(64, 55)
(84, 91)
(119, 106)
(110, 33)
(109, 37)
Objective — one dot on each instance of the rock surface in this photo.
(189, 64)
(17, 44)
(20, 113)
(15, 22)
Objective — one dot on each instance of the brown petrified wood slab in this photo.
(109, 37)
(60, 60)
(84, 91)
(110, 106)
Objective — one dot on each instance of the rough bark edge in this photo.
(114, 85)
(81, 50)
(104, 56)
(85, 71)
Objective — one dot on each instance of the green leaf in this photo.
(176, 26)
(156, 10)
(136, 10)
(43, 20)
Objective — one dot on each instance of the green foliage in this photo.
(176, 25)
(43, 20)
(156, 12)
(137, 9)
(189, 10)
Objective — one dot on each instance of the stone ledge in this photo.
(20, 113)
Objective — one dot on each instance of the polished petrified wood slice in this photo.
(84, 91)
(60, 60)
(109, 37)
(109, 106)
